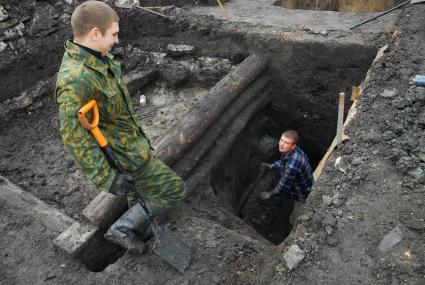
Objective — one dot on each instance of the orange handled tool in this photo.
(97, 134)
(92, 127)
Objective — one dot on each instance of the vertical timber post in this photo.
(340, 124)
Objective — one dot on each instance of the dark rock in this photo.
(421, 119)
(174, 75)
(407, 162)
(43, 19)
(388, 135)
(15, 32)
(3, 14)
(43, 88)
(356, 161)
(139, 78)
(7, 24)
(332, 240)
(372, 136)
(418, 173)
(329, 220)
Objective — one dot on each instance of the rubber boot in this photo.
(131, 230)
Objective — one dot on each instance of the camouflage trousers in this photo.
(158, 184)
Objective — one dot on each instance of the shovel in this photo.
(131, 4)
(386, 12)
(166, 244)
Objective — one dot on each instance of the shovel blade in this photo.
(172, 249)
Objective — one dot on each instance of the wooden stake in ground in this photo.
(340, 123)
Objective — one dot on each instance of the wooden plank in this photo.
(14, 197)
(340, 122)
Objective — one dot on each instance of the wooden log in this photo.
(74, 239)
(95, 212)
(187, 130)
(14, 197)
(224, 143)
(188, 161)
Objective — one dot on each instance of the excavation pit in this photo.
(303, 97)
(303, 81)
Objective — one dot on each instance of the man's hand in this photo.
(122, 184)
(265, 195)
(265, 166)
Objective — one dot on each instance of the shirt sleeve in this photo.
(277, 164)
(71, 95)
(288, 176)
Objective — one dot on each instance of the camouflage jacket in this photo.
(83, 77)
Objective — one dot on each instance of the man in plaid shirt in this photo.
(297, 176)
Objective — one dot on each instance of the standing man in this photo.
(297, 177)
(88, 72)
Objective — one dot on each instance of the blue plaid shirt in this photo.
(297, 176)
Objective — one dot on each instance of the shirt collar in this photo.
(92, 52)
(91, 60)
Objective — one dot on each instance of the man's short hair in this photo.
(291, 134)
(91, 14)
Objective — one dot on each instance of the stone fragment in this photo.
(43, 88)
(15, 32)
(421, 119)
(3, 46)
(327, 200)
(356, 161)
(43, 19)
(7, 24)
(179, 50)
(293, 256)
(324, 32)
(329, 220)
(372, 137)
(418, 173)
(142, 100)
(388, 93)
(407, 162)
(397, 153)
(388, 135)
(3, 14)
(390, 240)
